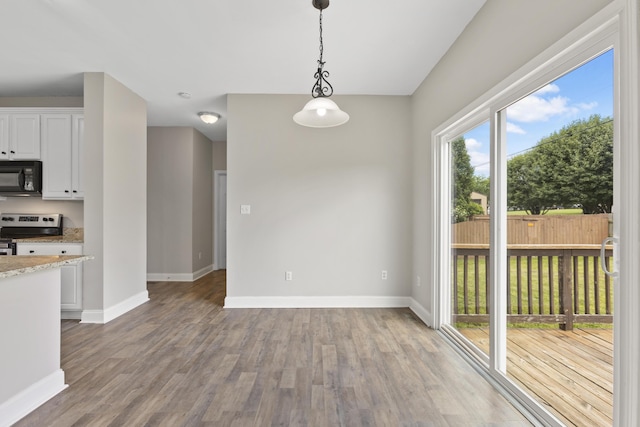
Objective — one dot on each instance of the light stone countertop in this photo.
(23, 264)
(70, 235)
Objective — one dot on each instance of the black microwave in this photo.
(20, 178)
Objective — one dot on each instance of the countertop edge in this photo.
(39, 263)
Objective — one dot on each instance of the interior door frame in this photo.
(616, 26)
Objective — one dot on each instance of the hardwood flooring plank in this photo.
(183, 360)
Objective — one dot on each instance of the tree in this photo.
(482, 185)
(573, 166)
(524, 191)
(463, 207)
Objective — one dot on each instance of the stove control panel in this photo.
(30, 220)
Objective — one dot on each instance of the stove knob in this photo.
(45, 219)
(50, 219)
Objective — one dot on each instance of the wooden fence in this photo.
(538, 229)
(561, 284)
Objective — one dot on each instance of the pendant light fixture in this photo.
(321, 112)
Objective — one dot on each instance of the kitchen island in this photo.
(30, 371)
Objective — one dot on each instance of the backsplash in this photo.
(72, 211)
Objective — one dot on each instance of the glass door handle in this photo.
(606, 241)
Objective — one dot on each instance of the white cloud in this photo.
(478, 159)
(537, 109)
(550, 88)
(513, 128)
(540, 108)
(589, 106)
(472, 144)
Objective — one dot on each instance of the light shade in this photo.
(208, 118)
(320, 113)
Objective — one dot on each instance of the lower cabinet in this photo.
(71, 280)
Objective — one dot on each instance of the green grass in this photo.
(535, 296)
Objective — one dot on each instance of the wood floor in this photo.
(183, 360)
(569, 372)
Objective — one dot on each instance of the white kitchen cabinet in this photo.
(62, 145)
(20, 137)
(71, 280)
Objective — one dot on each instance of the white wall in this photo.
(331, 205)
(115, 198)
(504, 35)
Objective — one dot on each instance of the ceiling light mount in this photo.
(320, 4)
(208, 117)
(321, 111)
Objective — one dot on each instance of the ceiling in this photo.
(211, 48)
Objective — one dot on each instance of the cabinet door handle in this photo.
(66, 191)
(64, 252)
(32, 251)
(4, 152)
(13, 152)
(74, 191)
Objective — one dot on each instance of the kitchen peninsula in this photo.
(30, 297)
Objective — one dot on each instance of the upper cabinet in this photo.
(53, 135)
(20, 136)
(62, 144)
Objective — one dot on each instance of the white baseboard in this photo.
(71, 314)
(202, 272)
(29, 399)
(421, 312)
(117, 310)
(179, 277)
(317, 302)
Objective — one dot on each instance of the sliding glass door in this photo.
(529, 200)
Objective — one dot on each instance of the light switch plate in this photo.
(245, 209)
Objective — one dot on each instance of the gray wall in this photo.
(504, 36)
(42, 101)
(180, 202)
(202, 206)
(169, 224)
(115, 193)
(331, 205)
(219, 154)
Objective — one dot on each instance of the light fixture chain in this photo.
(322, 87)
(321, 44)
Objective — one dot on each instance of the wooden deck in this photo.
(569, 372)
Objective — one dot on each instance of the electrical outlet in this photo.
(418, 282)
(245, 209)
(288, 275)
(384, 274)
(199, 255)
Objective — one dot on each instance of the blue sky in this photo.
(585, 91)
